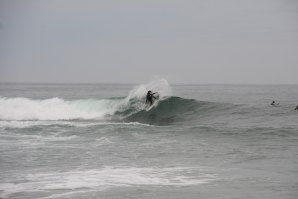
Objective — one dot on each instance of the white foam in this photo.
(32, 141)
(54, 109)
(28, 124)
(103, 141)
(108, 177)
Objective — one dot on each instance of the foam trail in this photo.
(108, 177)
(28, 124)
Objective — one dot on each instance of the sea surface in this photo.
(102, 141)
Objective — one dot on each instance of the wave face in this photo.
(171, 110)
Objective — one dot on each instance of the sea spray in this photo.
(161, 86)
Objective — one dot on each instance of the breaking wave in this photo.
(20, 108)
(168, 109)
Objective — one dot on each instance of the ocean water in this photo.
(101, 141)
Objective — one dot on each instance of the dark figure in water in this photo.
(296, 109)
(149, 97)
(274, 104)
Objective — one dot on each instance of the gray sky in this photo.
(131, 41)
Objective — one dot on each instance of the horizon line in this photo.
(131, 83)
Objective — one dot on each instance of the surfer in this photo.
(296, 109)
(274, 104)
(149, 97)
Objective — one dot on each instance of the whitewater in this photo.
(103, 141)
(86, 109)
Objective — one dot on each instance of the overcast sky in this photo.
(132, 41)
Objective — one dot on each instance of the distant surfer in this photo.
(273, 103)
(296, 109)
(149, 98)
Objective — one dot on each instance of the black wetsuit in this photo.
(149, 98)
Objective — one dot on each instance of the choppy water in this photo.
(101, 141)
